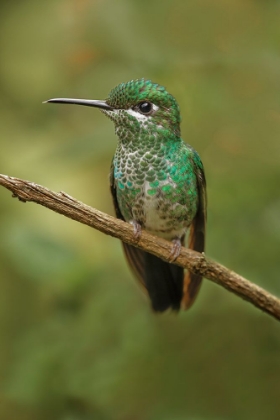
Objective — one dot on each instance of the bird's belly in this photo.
(162, 214)
(158, 219)
(163, 207)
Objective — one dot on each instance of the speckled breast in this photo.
(157, 191)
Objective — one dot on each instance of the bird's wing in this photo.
(135, 257)
(192, 281)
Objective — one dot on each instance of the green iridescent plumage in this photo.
(157, 183)
(127, 95)
(169, 179)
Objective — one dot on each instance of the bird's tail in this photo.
(163, 281)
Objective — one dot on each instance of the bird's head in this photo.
(137, 106)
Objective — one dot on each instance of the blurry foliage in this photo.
(78, 339)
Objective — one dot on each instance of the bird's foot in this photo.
(176, 249)
(137, 230)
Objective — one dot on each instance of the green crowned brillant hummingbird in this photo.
(157, 182)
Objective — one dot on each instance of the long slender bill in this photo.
(84, 102)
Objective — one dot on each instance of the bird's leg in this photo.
(137, 229)
(176, 249)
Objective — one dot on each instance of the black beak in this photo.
(84, 102)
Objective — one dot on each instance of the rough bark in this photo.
(198, 263)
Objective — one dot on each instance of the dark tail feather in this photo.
(163, 281)
(136, 260)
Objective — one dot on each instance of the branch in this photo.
(193, 261)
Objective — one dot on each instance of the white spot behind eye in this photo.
(155, 107)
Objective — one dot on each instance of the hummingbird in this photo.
(157, 183)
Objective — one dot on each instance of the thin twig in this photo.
(194, 261)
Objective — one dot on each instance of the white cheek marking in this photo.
(140, 117)
(137, 115)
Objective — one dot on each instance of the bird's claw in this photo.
(137, 230)
(176, 249)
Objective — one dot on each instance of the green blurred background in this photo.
(78, 340)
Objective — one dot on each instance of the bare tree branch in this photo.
(193, 261)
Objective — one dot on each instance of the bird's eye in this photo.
(145, 107)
